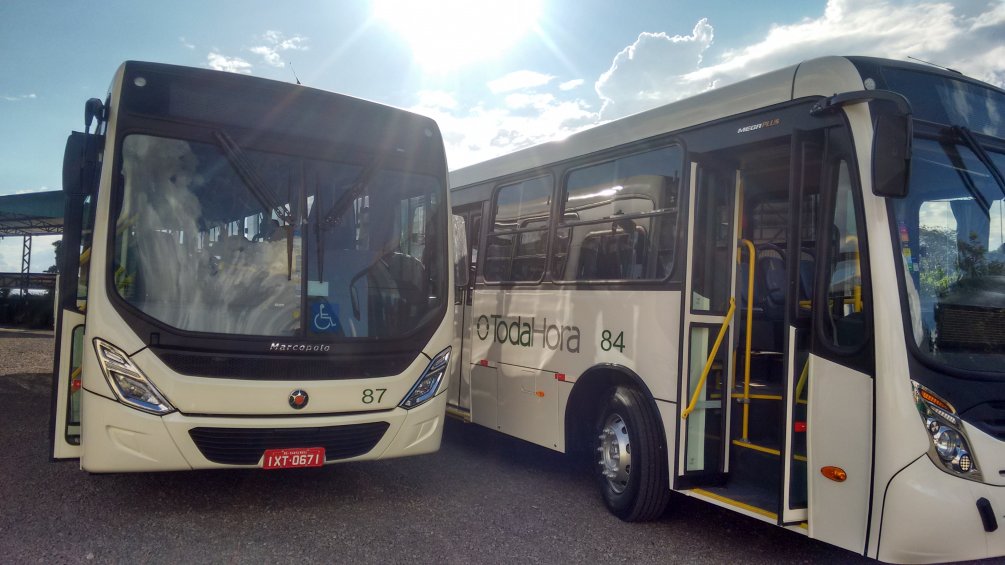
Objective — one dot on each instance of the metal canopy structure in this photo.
(36, 213)
(27, 215)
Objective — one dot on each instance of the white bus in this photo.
(254, 274)
(785, 297)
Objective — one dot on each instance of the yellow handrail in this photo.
(802, 380)
(711, 358)
(750, 324)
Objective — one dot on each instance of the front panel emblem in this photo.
(298, 399)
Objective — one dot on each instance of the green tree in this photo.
(58, 245)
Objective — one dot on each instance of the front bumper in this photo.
(116, 438)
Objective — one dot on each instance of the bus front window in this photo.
(952, 242)
(219, 239)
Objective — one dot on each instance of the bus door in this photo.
(80, 173)
(708, 307)
(460, 384)
(839, 388)
(804, 204)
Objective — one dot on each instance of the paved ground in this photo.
(484, 498)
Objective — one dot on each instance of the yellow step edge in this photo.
(736, 503)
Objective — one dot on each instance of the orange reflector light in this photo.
(539, 394)
(560, 377)
(935, 400)
(835, 474)
(799, 427)
(484, 362)
(75, 385)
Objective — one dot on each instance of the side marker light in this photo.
(836, 474)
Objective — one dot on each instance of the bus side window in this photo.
(845, 322)
(618, 219)
(517, 240)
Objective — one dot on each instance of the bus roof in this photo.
(816, 77)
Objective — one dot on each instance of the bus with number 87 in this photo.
(254, 274)
(784, 296)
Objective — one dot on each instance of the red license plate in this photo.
(293, 458)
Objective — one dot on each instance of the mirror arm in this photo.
(834, 103)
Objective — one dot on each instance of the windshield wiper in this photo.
(358, 186)
(968, 138)
(966, 175)
(244, 169)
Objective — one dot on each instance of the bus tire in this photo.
(632, 465)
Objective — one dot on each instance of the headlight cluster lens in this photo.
(429, 383)
(128, 383)
(950, 448)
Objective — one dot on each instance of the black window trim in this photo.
(622, 152)
(489, 230)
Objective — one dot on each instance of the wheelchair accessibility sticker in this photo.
(324, 317)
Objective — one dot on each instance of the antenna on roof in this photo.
(932, 64)
(294, 71)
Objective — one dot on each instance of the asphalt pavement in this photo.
(483, 498)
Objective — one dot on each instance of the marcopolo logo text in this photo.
(527, 333)
(301, 347)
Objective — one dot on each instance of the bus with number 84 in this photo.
(784, 296)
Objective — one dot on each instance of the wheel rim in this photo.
(615, 453)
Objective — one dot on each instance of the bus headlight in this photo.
(947, 443)
(128, 383)
(950, 449)
(429, 383)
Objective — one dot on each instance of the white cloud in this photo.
(186, 43)
(520, 100)
(42, 253)
(275, 44)
(658, 69)
(220, 62)
(519, 80)
(483, 132)
(649, 72)
(20, 97)
(571, 84)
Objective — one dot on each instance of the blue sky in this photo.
(497, 75)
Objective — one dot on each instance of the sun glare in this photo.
(447, 34)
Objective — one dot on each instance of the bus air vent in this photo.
(245, 446)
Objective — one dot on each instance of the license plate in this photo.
(293, 458)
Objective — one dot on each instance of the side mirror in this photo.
(460, 233)
(891, 149)
(82, 163)
(892, 134)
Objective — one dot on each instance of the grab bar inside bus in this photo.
(711, 358)
(752, 254)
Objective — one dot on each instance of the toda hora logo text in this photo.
(517, 331)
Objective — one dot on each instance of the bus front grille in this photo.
(245, 446)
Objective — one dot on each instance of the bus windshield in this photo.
(952, 240)
(211, 237)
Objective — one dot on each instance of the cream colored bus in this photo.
(785, 297)
(254, 274)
